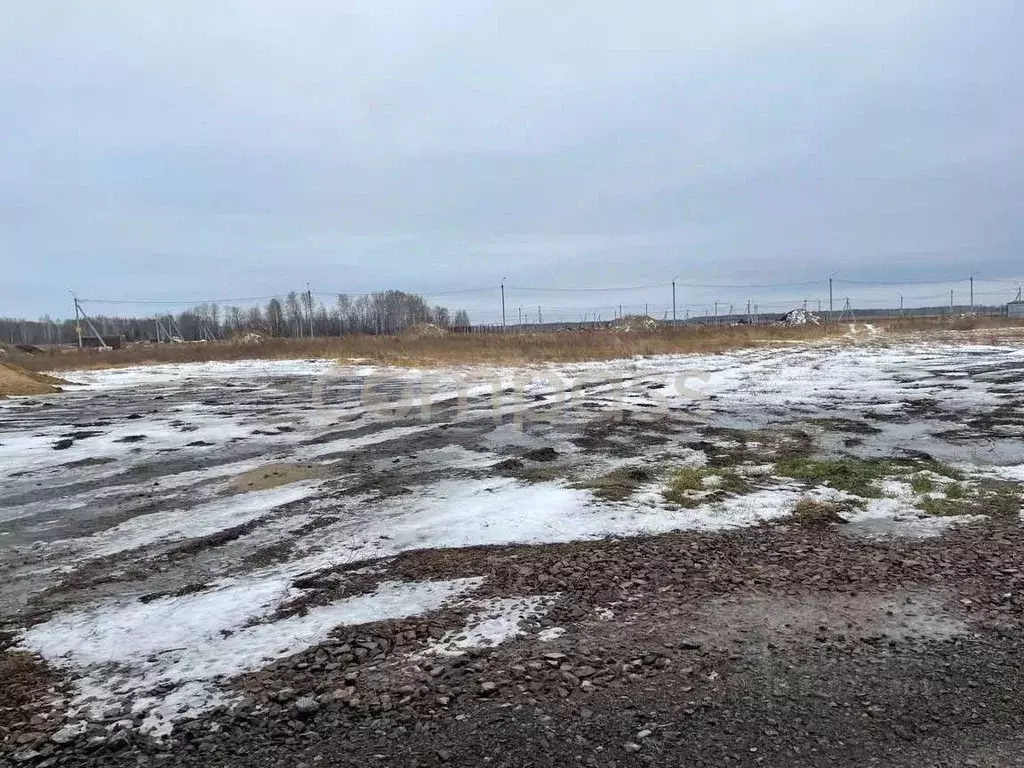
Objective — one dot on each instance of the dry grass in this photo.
(617, 485)
(25, 680)
(430, 349)
(813, 513)
(449, 349)
(692, 486)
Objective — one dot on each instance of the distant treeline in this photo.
(295, 316)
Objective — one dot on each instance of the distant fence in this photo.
(762, 318)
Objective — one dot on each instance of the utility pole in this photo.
(620, 311)
(950, 298)
(830, 297)
(309, 308)
(78, 324)
(749, 319)
(673, 301)
(901, 305)
(520, 315)
(540, 317)
(716, 313)
(503, 303)
(972, 293)
(80, 311)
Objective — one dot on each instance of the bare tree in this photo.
(275, 318)
(293, 312)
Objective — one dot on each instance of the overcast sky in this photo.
(195, 150)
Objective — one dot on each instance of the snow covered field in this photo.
(134, 555)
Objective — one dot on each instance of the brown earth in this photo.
(273, 475)
(15, 380)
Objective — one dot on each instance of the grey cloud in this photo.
(247, 147)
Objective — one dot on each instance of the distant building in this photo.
(95, 342)
(1015, 309)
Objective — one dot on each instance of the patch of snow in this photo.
(691, 457)
(756, 470)
(193, 522)
(898, 516)
(496, 621)
(1012, 473)
(35, 451)
(549, 634)
(201, 484)
(463, 513)
(176, 374)
(125, 650)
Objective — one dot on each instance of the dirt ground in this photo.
(788, 557)
(15, 380)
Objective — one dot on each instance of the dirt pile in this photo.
(273, 476)
(800, 317)
(425, 331)
(15, 380)
(636, 324)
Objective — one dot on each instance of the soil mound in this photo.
(800, 317)
(636, 324)
(425, 330)
(15, 380)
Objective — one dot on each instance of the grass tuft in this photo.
(812, 513)
(922, 483)
(617, 485)
(687, 481)
(857, 476)
(996, 499)
(954, 491)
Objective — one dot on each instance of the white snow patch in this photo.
(496, 621)
(33, 452)
(194, 522)
(464, 513)
(899, 516)
(1013, 473)
(125, 650)
(549, 634)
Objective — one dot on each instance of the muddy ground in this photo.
(715, 629)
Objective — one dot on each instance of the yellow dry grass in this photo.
(503, 349)
(448, 349)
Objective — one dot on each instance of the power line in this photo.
(584, 290)
(624, 289)
(431, 294)
(922, 282)
(176, 303)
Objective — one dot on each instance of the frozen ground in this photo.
(134, 558)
